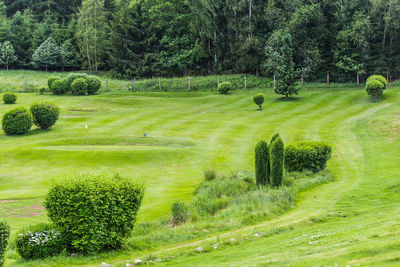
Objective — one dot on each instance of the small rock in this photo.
(138, 262)
(73, 255)
(263, 233)
(128, 264)
(215, 246)
(103, 264)
(233, 240)
(199, 249)
(256, 235)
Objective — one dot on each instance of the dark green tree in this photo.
(47, 55)
(262, 163)
(277, 158)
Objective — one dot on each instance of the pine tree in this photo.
(47, 55)
(7, 54)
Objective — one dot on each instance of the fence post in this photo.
(189, 83)
(387, 76)
(274, 81)
(107, 85)
(245, 82)
(358, 79)
(328, 79)
(159, 84)
(134, 84)
(25, 84)
(218, 83)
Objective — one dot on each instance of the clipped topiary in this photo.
(259, 100)
(41, 241)
(379, 78)
(93, 85)
(99, 212)
(4, 236)
(9, 98)
(277, 157)
(312, 156)
(224, 88)
(59, 87)
(44, 115)
(73, 76)
(50, 81)
(17, 121)
(79, 87)
(262, 163)
(375, 88)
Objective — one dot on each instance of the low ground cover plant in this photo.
(4, 236)
(45, 115)
(312, 156)
(17, 121)
(9, 98)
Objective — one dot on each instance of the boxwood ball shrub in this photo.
(224, 88)
(41, 241)
(4, 236)
(259, 100)
(17, 121)
(50, 82)
(73, 76)
(277, 157)
(379, 78)
(9, 98)
(312, 156)
(99, 212)
(262, 163)
(375, 88)
(93, 85)
(44, 115)
(79, 87)
(59, 87)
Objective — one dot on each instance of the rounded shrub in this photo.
(259, 100)
(4, 236)
(379, 78)
(50, 81)
(375, 88)
(262, 163)
(73, 76)
(9, 98)
(224, 88)
(79, 87)
(93, 85)
(59, 87)
(41, 241)
(180, 212)
(311, 156)
(277, 157)
(44, 115)
(17, 121)
(99, 212)
(210, 175)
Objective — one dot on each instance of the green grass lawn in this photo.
(353, 220)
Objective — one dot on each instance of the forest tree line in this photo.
(147, 38)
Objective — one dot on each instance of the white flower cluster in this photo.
(41, 238)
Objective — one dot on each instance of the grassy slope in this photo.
(354, 217)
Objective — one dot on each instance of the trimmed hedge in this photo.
(44, 115)
(9, 98)
(93, 85)
(41, 241)
(259, 100)
(4, 236)
(79, 87)
(311, 156)
(224, 88)
(262, 163)
(73, 76)
(99, 212)
(59, 87)
(277, 157)
(17, 121)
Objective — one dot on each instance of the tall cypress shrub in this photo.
(262, 163)
(273, 139)
(277, 157)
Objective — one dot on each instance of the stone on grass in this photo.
(103, 264)
(199, 249)
(138, 262)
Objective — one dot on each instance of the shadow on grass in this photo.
(288, 99)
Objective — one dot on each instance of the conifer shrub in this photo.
(59, 87)
(311, 156)
(9, 98)
(259, 100)
(224, 88)
(274, 137)
(277, 157)
(44, 115)
(79, 87)
(93, 85)
(17, 121)
(99, 212)
(41, 241)
(262, 163)
(4, 236)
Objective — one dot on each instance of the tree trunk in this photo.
(95, 36)
(7, 67)
(358, 79)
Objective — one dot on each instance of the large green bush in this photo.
(93, 85)
(277, 157)
(311, 156)
(379, 78)
(4, 235)
(79, 87)
(224, 88)
(99, 212)
(50, 81)
(9, 98)
(262, 163)
(73, 76)
(259, 100)
(44, 115)
(41, 241)
(59, 87)
(17, 121)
